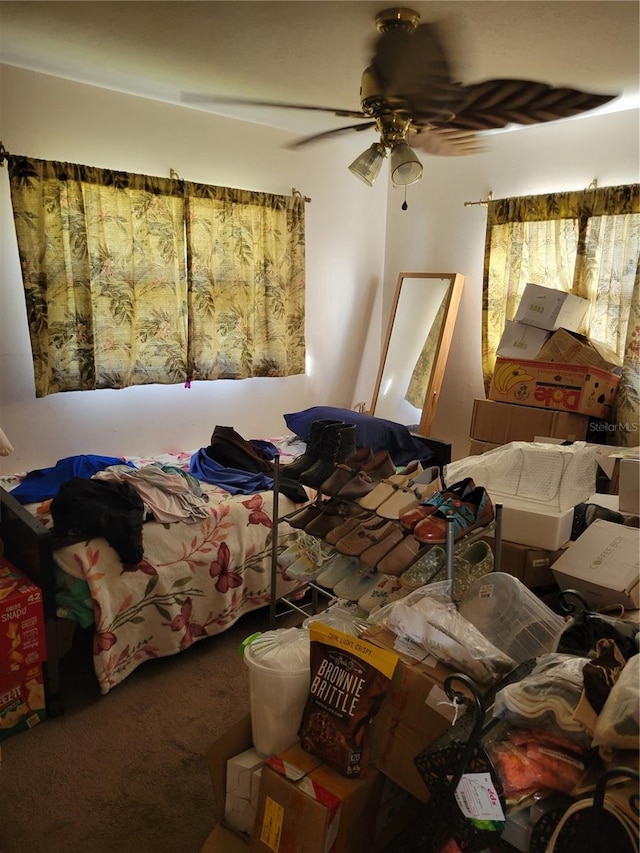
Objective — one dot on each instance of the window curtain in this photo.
(110, 302)
(586, 243)
(246, 283)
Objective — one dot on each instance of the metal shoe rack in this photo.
(318, 592)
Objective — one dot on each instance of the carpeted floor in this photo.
(126, 772)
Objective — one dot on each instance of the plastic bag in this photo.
(429, 618)
(618, 724)
(585, 629)
(560, 476)
(547, 697)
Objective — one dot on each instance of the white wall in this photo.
(356, 246)
(53, 119)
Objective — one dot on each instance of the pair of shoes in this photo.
(418, 490)
(376, 552)
(334, 535)
(387, 487)
(430, 504)
(293, 552)
(474, 511)
(368, 476)
(312, 450)
(386, 590)
(356, 584)
(303, 516)
(310, 562)
(400, 557)
(469, 563)
(336, 568)
(332, 514)
(344, 471)
(368, 533)
(337, 442)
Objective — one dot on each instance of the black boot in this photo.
(337, 443)
(312, 450)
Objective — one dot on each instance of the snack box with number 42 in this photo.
(22, 631)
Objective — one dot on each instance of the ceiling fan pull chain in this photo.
(405, 206)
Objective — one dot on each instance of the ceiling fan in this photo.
(408, 95)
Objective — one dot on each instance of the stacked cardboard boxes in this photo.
(22, 652)
(299, 802)
(549, 379)
(549, 382)
(544, 361)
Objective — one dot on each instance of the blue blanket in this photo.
(44, 483)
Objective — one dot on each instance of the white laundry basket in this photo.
(278, 663)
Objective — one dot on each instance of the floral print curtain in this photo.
(246, 283)
(117, 296)
(587, 243)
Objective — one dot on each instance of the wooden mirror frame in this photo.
(454, 293)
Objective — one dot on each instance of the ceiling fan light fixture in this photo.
(367, 165)
(406, 169)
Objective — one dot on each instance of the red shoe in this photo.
(476, 510)
(430, 505)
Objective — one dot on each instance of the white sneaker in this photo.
(357, 584)
(337, 567)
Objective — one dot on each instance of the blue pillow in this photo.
(376, 433)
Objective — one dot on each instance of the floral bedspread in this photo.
(195, 580)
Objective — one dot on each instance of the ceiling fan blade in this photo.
(194, 98)
(327, 134)
(497, 103)
(445, 141)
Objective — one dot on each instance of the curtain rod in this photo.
(172, 173)
(483, 202)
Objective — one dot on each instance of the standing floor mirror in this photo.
(416, 348)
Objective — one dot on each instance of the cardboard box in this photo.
(234, 741)
(413, 714)
(306, 807)
(629, 486)
(477, 447)
(549, 385)
(500, 423)
(22, 702)
(551, 309)
(242, 784)
(533, 524)
(530, 565)
(223, 840)
(520, 340)
(603, 564)
(22, 631)
(569, 348)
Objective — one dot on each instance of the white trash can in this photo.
(279, 675)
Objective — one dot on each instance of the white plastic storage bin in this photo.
(278, 663)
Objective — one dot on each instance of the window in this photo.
(132, 280)
(587, 243)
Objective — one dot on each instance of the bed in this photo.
(195, 580)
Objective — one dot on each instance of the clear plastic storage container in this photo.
(511, 617)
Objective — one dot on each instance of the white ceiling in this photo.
(308, 52)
